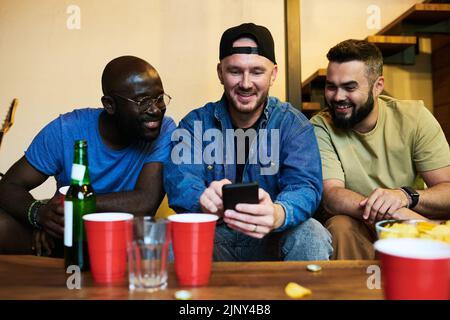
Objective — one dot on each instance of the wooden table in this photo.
(30, 277)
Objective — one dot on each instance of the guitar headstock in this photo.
(9, 119)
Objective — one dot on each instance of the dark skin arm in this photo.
(143, 200)
(22, 177)
(15, 197)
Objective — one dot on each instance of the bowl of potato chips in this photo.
(423, 229)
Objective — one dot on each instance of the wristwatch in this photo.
(413, 196)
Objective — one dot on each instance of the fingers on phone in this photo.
(211, 201)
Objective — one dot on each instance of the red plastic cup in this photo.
(193, 243)
(107, 238)
(62, 193)
(415, 269)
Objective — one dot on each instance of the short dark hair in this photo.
(359, 50)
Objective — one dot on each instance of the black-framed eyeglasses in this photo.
(144, 104)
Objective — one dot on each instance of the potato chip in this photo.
(433, 230)
(441, 232)
(424, 226)
(400, 231)
(296, 291)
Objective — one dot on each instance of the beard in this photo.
(357, 115)
(246, 109)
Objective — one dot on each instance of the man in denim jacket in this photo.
(248, 136)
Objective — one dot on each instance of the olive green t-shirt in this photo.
(406, 140)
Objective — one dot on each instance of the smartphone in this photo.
(232, 194)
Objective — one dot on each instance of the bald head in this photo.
(124, 71)
(128, 84)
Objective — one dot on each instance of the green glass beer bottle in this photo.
(79, 200)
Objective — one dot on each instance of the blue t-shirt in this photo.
(51, 152)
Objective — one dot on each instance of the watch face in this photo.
(412, 192)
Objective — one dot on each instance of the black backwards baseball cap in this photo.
(261, 35)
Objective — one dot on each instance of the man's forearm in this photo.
(435, 201)
(338, 200)
(15, 197)
(15, 200)
(137, 202)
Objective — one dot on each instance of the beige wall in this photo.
(53, 70)
(324, 23)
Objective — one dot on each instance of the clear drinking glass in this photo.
(148, 254)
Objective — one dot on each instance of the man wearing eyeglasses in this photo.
(279, 226)
(128, 144)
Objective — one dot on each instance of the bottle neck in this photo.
(80, 171)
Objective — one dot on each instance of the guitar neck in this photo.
(9, 120)
(8, 123)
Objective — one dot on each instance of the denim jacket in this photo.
(292, 177)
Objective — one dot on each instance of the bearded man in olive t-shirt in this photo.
(373, 148)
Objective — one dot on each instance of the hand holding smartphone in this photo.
(232, 194)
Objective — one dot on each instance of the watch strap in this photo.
(412, 195)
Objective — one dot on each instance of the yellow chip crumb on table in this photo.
(296, 291)
(183, 295)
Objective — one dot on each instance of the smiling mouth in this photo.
(347, 106)
(342, 108)
(245, 97)
(245, 94)
(152, 124)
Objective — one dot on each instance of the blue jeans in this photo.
(306, 241)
